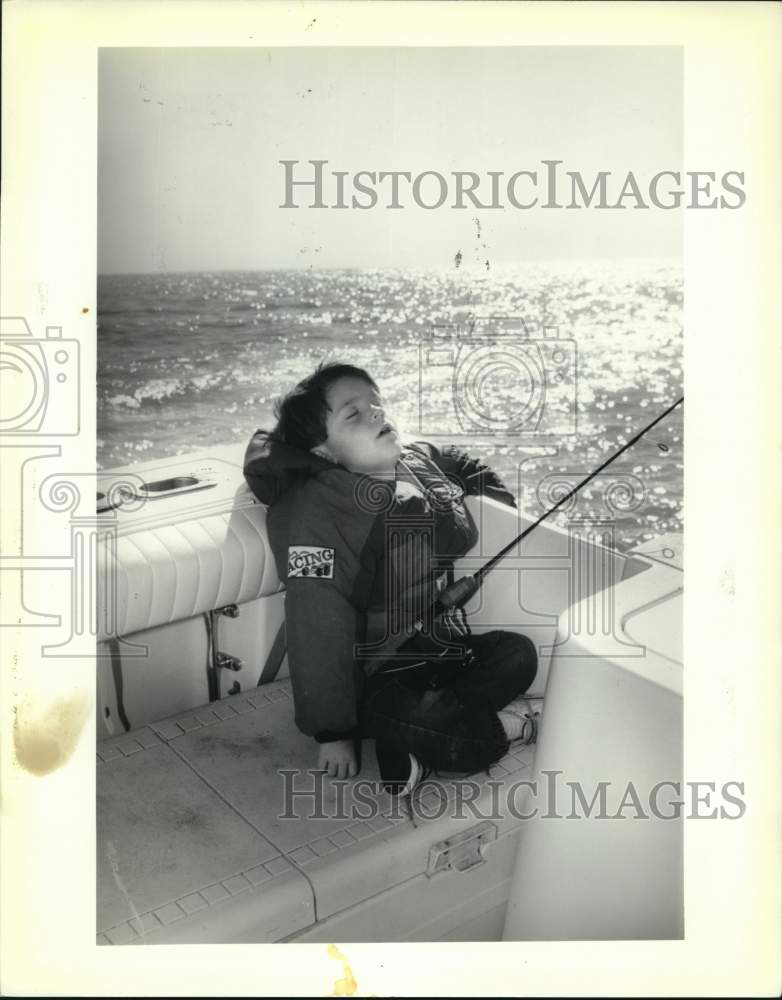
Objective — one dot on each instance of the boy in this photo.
(362, 529)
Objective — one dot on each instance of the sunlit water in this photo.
(186, 361)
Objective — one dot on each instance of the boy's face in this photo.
(360, 436)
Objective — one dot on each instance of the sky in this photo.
(189, 144)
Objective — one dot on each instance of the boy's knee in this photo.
(529, 648)
(525, 653)
(515, 642)
(515, 655)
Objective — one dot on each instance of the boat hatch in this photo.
(177, 484)
(158, 488)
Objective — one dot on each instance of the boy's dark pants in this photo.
(446, 714)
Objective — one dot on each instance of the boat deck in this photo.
(195, 843)
(196, 840)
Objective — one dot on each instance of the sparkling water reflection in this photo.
(191, 360)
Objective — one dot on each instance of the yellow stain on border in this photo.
(45, 737)
(346, 986)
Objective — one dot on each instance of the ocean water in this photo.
(186, 361)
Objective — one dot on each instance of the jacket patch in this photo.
(310, 560)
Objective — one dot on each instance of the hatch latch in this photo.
(463, 851)
(218, 660)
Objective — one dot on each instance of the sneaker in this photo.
(529, 711)
(529, 730)
(400, 772)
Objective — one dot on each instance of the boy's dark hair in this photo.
(301, 413)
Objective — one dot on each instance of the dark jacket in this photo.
(359, 561)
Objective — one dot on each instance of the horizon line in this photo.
(472, 269)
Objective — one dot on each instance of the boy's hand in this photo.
(338, 759)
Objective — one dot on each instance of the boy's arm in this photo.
(322, 628)
(323, 623)
(473, 476)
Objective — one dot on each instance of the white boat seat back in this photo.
(164, 573)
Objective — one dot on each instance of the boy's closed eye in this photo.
(355, 413)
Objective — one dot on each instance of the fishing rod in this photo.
(458, 593)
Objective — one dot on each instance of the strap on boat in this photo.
(119, 687)
(276, 655)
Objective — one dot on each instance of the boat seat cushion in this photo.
(168, 572)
